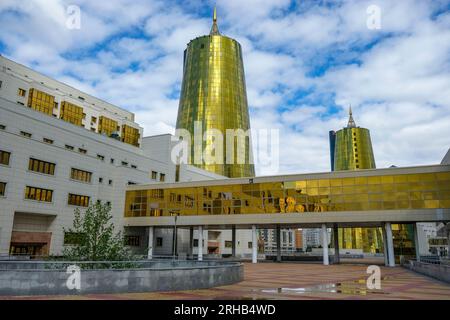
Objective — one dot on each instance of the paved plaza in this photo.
(265, 281)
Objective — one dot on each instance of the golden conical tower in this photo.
(213, 94)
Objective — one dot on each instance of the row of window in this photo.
(46, 195)
(4, 159)
(44, 102)
(162, 176)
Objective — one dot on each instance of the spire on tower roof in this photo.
(214, 28)
(351, 122)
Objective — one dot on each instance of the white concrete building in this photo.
(61, 149)
(287, 240)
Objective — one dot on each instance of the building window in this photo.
(78, 200)
(250, 245)
(38, 194)
(81, 175)
(41, 101)
(2, 127)
(1, 84)
(4, 157)
(228, 244)
(132, 241)
(110, 182)
(195, 242)
(46, 140)
(133, 166)
(26, 134)
(131, 183)
(71, 113)
(21, 92)
(107, 126)
(154, 175)
(112, 161)
(124, 163)
(73, 238)
(99, 156)
(93, 120)
(162, 177)
(159, 242)
(83, 151)
(41, 166)
(69, 147)
(2, 189)
(55, 105)
(100, 180)
(130, 135)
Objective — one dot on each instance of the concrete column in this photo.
(191, 241)
(174, 241)
(278, 235)
(416, 241)
(336, 243)
(386, 258)
(150, 242)
(233, 241)
(254, 245)
(390, 245)
(448, 239)
(200, 243)
(325, 245)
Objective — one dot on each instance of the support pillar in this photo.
(150, 242)
(254, 245)
(191, 242)
(174, 241)
(336, 243)
(233, 241)
(390, 245)
(326, 261)
(386, 258)
(200, 243)
(278, 235)
(416, 241)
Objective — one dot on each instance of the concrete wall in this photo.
(437, 271)
(53, 282)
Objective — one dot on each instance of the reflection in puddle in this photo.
(357, 287)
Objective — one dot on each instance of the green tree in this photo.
(92, 236)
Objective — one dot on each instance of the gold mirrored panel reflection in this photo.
(406, 191)
(213, 93)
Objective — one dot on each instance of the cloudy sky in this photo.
(305, 63)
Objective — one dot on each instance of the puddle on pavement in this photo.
(358, 287)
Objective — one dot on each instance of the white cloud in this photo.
(301, 59)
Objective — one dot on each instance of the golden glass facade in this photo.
(2, 188)
(361, 193)
(41, 101)
(38, 194)
(213, 93)
(367, 239)
(130, 135)
(80, 175)
(4, 157)
(41, 166)
(353, 149)
(71, 113)
(78, 200)
(107, 126)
